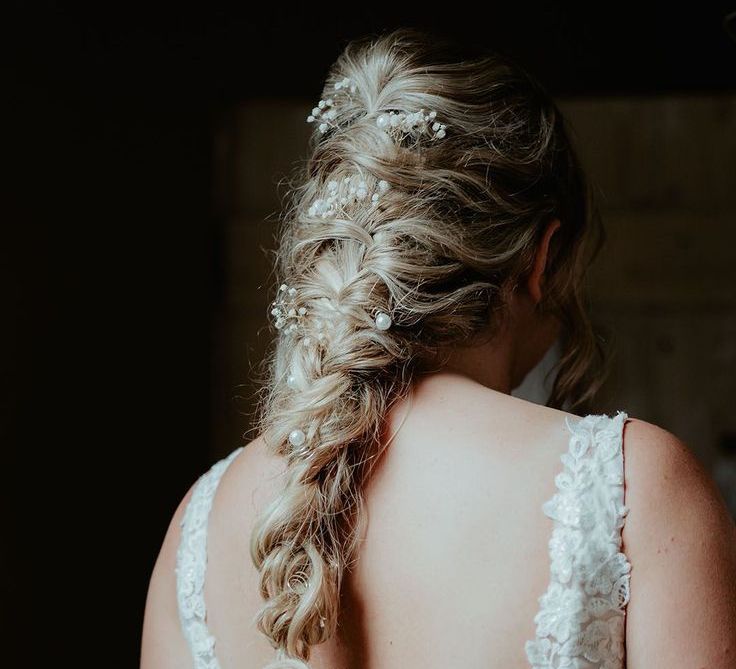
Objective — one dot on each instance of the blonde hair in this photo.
(457, 228)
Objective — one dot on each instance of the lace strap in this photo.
(580, 621)
(191, 565)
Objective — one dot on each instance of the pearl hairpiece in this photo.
(396, 124)
(348, 190)
(288, 316)
(325, 112)
(415, 124)
(383, 320)
(284, 310)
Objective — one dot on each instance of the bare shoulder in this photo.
(248, 485)
(681, 542)
(163, 643)
(250, 478)
(666, 480)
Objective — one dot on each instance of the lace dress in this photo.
(581, 617)
(580, 623)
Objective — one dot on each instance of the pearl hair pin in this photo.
(288, 317)
(325, 110)
(395, 123)
(286, 314)
(383, 320)
(297, 438)
(349, 190)
(414, 124)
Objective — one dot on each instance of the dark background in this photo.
(112, 252)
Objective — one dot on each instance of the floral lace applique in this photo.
(191, 565)
(580, 622)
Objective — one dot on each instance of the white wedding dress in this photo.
(580, 623)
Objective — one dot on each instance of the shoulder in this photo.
(681, 542)
(667, 487)
(664, 478)
(163, 642)
(250, 482)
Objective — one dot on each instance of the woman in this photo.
(434, 250)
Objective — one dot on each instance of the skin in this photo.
(455, 555)
(502, 363)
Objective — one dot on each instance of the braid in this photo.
(340, 365)
(429, 180)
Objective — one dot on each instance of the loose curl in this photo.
(455, 232)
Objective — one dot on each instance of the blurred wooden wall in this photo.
(664, 286)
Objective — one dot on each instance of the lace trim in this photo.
(191, 564)
(580, 622)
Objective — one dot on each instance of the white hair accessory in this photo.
(297, 437)
(325, 112)
(298, 440)
(284, 310)
(383, 320)
(397, 124)
(288, 317)
(347, 191)
(414, 124)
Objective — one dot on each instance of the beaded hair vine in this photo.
(415, 124)
(325, 112)
(396, 124)
(288, 317)
(351, 190)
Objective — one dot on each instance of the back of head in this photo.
(431, 178)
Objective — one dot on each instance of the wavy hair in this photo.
(455, 229)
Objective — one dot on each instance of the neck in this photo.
(490, 364)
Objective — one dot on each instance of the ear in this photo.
(536, 277)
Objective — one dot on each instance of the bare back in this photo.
(456, 554)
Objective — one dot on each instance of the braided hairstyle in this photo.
(430, 220)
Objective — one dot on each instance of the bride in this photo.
(400, 508)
